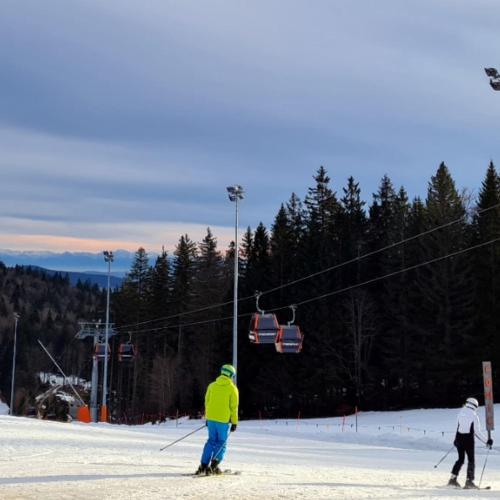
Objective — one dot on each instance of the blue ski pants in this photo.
(215, 447)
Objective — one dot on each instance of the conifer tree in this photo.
(353, 227)
(131, 305)
(183, 276)
(258, 265)
(322, 214)
(486, 227)
(209, 287)
(160, 286)
(446, 290)
(157, 346)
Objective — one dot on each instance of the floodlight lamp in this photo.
(491, 72)
(495, 84)
(235, 192)
(108, 256)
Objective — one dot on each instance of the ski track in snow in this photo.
(389, 458)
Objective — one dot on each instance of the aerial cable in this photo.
(395, 273)
(315, 274)
(185, 313)
(335, 292)
(373, 252)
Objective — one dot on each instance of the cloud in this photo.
(119, 115)
(20, 234)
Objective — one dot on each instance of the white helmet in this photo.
(472, 403)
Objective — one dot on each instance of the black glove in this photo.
(233, 427)
(455, 443)
(489, 443)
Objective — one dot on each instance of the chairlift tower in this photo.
(98, 331)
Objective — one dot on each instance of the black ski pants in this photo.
(465, 445)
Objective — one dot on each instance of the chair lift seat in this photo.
(263, 328)
(289, 339)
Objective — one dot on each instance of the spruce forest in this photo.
(397, 299)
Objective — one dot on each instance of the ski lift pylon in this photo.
(263, 327)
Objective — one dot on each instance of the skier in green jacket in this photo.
(221, 412)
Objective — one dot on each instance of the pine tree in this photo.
(282, 248)
(355, 323)
(159, 291)
(183, 272)
(183, 277)
(258, 265)
(353, 227)
(133, 299)
(395, 332)
(486, 227)
(131, 304)
(322, 215)
(209, 287)
(446, 296)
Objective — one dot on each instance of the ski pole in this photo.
(447, 453)
(221, 447)
(184, 437)
(484, 466)
(479, 438)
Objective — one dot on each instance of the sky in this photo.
(122, 122)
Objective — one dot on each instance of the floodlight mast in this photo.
(108, 257)
(235, 194)
(13, 378)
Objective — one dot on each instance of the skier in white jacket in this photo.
(467, 425)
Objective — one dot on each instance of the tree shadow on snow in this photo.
(404, 492)
(82, 477)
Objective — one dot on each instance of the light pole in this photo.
(108, 257)
(235, 194)
(12, 382)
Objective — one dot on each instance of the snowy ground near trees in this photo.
(391, 456)
(4, 409)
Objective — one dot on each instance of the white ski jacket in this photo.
(468, 423)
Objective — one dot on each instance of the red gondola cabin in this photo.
(126, 352)
(100, 351)
(263, 328)
(289, 339)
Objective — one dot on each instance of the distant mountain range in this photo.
(83, 266)
(99, 279)
(83, 262)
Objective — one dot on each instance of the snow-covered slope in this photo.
(4, 409)
(391, 456)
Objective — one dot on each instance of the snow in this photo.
(55, 379)
(392, 456)
(4, 409)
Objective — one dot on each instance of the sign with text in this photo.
(488, 395)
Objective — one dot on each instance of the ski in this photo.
(225, 472)
(452, 487)
(472, 489)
